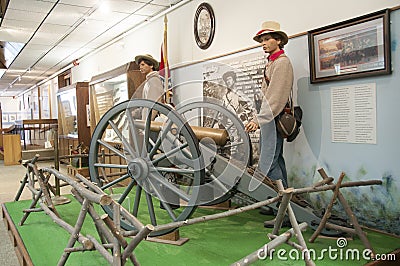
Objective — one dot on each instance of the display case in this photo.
(111, 88)
(73, 126)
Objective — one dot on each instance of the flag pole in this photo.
(166, 65)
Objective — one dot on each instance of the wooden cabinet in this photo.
(73, 125)
(12, 148)
(111, 88)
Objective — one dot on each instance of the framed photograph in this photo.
(5, 118)
(204, 25)
(12, 118)
(354, 48)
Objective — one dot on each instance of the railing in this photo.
(36, 133)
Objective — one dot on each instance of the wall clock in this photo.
(204, 25)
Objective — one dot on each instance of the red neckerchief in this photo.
(274, 56)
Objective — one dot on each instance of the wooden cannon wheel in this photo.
(154, 170)
(210, 113)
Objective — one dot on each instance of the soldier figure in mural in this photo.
(234, 102)
(221, 82)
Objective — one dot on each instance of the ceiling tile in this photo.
(78, 54)
(66, 14)
(49, 34)
(31, 5)
(59, 53)
(12, 35)
(112, 17)
(129, 23)
(85, 3)
(48, 27)
(27, 59)
(36, 48)
(96, 25)
(166, 3)
(80, 37)
(115, 31)
(124, 6)
(23, 25)
(24, 15)
(150, 10)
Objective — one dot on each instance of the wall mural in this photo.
(236, 82)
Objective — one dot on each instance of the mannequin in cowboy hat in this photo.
(276, 89)
(152, 86)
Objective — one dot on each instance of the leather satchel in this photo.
(289, 121)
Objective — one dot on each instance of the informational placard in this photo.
(353, 113)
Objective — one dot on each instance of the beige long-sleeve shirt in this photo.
(153, 90)
(276, 87)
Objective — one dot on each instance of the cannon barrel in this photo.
(220, 136)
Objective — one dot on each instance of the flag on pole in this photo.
(164, 66)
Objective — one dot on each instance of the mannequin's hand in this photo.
(251, 126)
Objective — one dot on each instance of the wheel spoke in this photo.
(214, 119)
(150, 208)
(177, 143)
(229, 127)
(175, 170)
(159, 139)
(134, 132)
(122, 138)
(126, 191)
(112, 148)
(202, 118)
(116, 181)
(168, 154)
(138, 195)
(147, 133)
(163, 202)
(160, 179)
(219, 184)
(234, 144)
(108, 165)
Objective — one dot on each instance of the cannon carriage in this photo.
(157, 171)
(196, 154)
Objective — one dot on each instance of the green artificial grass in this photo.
(217, 242)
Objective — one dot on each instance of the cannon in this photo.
(163, 169)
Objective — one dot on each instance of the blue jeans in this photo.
(271, 162)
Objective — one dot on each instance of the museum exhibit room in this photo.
(199, 132)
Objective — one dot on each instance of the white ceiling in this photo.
(54, 33)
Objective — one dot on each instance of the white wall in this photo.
(9, 104)
(236, 23)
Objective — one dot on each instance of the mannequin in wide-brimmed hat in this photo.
(276, 88)
(152, 87)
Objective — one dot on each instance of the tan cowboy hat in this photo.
(147, 57)
(268, 27)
